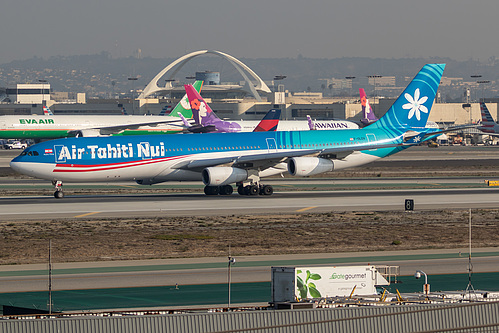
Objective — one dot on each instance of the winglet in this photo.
(311, 125)
(270, 122)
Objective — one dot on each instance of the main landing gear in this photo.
(241, 189)
(58, 194)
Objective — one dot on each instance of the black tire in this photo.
(58, 194)
(267, 190)
(211, 190)
(253, 190)
(240, 190)
(226, 190)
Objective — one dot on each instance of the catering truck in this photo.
(290, 284)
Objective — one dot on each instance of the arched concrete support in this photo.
(153, 87)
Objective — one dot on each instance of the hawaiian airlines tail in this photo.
(184, 107)
(367, 112)
(270, 122)
(47, 111)
(204, 116)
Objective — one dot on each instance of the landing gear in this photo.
(255, 189)
(58, 194)
(222, 190)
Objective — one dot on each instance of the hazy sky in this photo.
(253, 28)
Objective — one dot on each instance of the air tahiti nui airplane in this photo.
(222, 159)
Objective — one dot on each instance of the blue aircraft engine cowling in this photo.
(309, 166)
(217, 176)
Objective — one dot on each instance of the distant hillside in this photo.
(99, 74)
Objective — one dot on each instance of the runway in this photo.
(114, 206)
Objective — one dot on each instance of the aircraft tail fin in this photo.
(270, 122)
(166, 110)
(201, 111)
(412, 109)
(368, 115)
(311, 124)
(486, 116)
(47, 111)
(184, 106)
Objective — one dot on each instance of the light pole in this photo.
(374, 77)
(482, 83)
(351, 83)
(426, 286)
(279, 96)
(232, 261)
(43, 90)
(475, 76)
(133, 79)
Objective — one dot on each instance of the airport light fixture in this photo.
(133, 79)
(426, 286)
(482, 83)
(475, 76)
(351, 78)
(232, 261)
(374, 77)
(43, 89)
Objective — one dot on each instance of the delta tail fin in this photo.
(368, 116)
(270, 122)
(183, 107)
(412, 109)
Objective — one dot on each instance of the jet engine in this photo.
(217, 176)
(309, 166)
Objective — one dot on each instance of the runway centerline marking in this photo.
(306, 208)
(87, 214)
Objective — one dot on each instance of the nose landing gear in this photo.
(58, 194)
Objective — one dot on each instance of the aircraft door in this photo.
(371, 138)
(271, 145)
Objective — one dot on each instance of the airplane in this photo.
(222, 159)
(368, 116)
(52, 126)
(207, 121)
(488, 126)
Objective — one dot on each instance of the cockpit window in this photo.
(30, 153)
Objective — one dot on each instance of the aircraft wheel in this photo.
(59, 194)
(241, 189)
(211, 190)
(253, 190)
(267, 190)
(226, 190)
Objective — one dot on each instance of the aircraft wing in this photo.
(109, 130)
(274, 158)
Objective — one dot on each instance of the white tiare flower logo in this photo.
(415, 105)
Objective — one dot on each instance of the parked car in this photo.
(15, 145)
